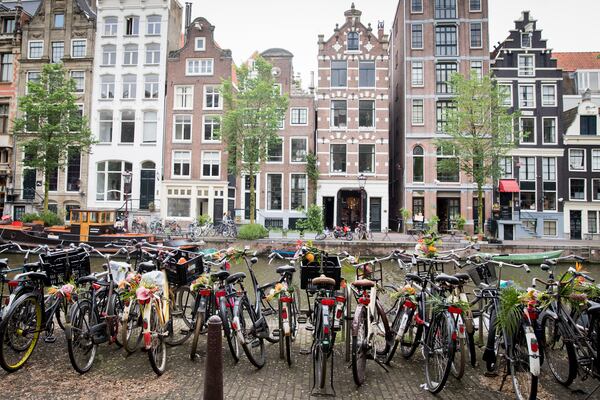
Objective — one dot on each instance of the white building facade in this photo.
(133, 40)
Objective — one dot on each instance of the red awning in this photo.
(508, 186)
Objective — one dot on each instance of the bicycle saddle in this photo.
(286, 269)
(594, 307)
(414, 278)
(462, 277)
(234, 278)
(36, 276)
(87, 279)
(146, 266)
(221, 275)
(323, 281)
(31, 266)
(443, 278)
(363, 283)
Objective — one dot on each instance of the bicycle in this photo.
(362, 232)
(340, 232)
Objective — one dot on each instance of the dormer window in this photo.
(353, 41)
(200, 44)
(526, 40)
(8, 25)
(588, 125)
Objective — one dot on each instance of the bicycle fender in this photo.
(146, 324)
(534, 356)
(372, 296)
(202, 305)
(356, 319)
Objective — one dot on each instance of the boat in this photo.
(524, 258)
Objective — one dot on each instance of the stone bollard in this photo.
(213, 376)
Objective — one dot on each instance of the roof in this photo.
(29, 6)
(85, 7)
(276, 52)
(569, 117)
(572, 61)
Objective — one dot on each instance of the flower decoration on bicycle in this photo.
(428, 245)
(68, 291)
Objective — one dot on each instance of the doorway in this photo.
(328, 210)
(147, 184)
(575, 217)
(29, 182)
(509, 232)
(448, 209)
(350, 208)
(202, 207)
(375, 213)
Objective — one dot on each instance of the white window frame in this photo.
(521, 106)
(473, 9)
(112, 56)
(202, 165)
(480, 68)
(584, 169)
(555, 130)
(556, 227)
(282, 144)
(521, 130)
(412, 47)
(530, 35)
(132, 54)
(189, 159)
(598, 156)
(200, 61)
(114, 27)
(292, 116)
(200, 39)
(471, 35)
(521, 71)
(183, 139)
(103, 84)
(71, 76)
(510, 94)
(152, 84)
(29, 43)
(416, 12)
(73, 46)
(305, 206)
(412, 74)
(204, 140)
(131, 94)
(292, 139)
(204, 94)
(155, 59)
(191, 95)
(584, 190)
(592, 188)
(153, 24)
(510, 163)
(112, 124)
(555, 96)
(412, 113)
(144, 121)
(267, 191)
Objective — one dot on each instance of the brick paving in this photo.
(49, 374)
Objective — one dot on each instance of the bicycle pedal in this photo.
(309, 328)
(275, 332)
(255, 343)
(50, 339)
(268, 312)
(301, 320)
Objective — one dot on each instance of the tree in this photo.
(479, 130)
(312, 171)
(254, 110)
(50, 123)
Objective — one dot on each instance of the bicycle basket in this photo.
(64, 265)
(153, 278)
(310, 270)
(180, 274)
(485, 273)
(118, 270)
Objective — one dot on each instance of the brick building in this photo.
(352, 137)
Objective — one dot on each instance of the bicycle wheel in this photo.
(410, 337)
(559, 354)
(131, 327)
(80, 343)
(61, 311)
(495, 341)
(320, 365)
(294, 311)
(253, 346)
(459, 360)
(199, 323)
(226, 314)
(158, 350)
(382, 336)
(360, 345)
(439, 352)
(19, 332)
(524, 382)
(179, 331)
(115, 313)
(186, 299)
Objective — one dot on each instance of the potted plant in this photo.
(405, 214)
(151, 207)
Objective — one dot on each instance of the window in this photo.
(79, 78)
(109, 54)
(477, 70)
(506, 167)
(275, 151)
(129, 86)
(58, 52)
(200, 44)
(110, 185)
(595, 189)
(132, 26)
(549, 169)
(417, 112)
(181, 164)
(445, 9)
(418, 164)
(78, 48)
(153, 25)
(366, 74)
(526, 65)
(526, 96)
(549, 130)
(127, 126)
(130, 54)
(446, 40)
(549, 183)
(153, 54)
(588, 125)
(417, 75)
(298, 191)
(527, 169)
(527, 129)
(505, 93)
(36, 49)
(339, 113)
(443, 74)
(595, 159)
(366, 158)
(59, 21)
(576, 189)
(106, 126)
(183, 128)
(447, 164)
(366, 114)
(212, 97)
(353, 41)
(8, 25)
(525, 40)
(592, 222)
(184, 97)
(299, 116)
(151, 86)
(549, 228)
(299, 148)
(418, 206)
(416, 37)
(6, 67)
(73, 170)
(476, 35)
(549, 95)
(107, 87)
(211, 161)
(53, 180)
(339, 73)
(442, 108)
(274, 192)
(150, 127)
(110, 26)
(178, 207)
(3, 121)
(199, 66)
(576, 160)
(527, 183)
(588, 80)
(474, 5)
(338, 158)
(212, 128)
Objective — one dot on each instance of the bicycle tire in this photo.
(494, 341)
(458, 365)
(472, 350)
(178, 330)
(132, 329)
(439, 338)
(320, 236)
(63, 309)
(226, 315)
(320, 361)
(553, 344)
(360, 347)
(197, 328)
(519, 365)
(115, 310)
(414, 332)
(245, 318)
(186, 300)
(6, 329)
(157, 353)
(80, 329)
(294, 311)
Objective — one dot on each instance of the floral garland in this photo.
(129, 285)
(280, 289)
(428, 245)
(68, 290)
(406, 292)
(201, 282)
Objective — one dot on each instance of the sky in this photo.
(248, 25)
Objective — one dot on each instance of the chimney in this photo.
(353, 15)
(380, 29)
(188, 15)
(312, 82)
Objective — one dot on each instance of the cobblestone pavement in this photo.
(49, 375)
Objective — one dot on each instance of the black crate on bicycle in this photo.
(183, 273)
(331, 268)
(65, 265)
(485, 273)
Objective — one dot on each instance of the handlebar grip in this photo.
(527, 269)
(587, 277)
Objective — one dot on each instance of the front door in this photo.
(508, 232)
(218, 210)
(575, 217)
(375, 213)
(328, 210)
(29, 184)
(147, 183)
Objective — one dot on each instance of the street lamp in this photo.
(126, 185)
(362, 180)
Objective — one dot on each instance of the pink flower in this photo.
(143, 293)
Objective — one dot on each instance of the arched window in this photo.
(353, 41)
(110, 184)
(418, 164)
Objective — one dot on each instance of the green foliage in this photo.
(203, 219)
(460, 222)
(405, 213)
(48, 217)
(312, 172)
(510, 313)
(49, 124)
(432, 224)
(313, 221)
(254, 110)
(252, 232)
